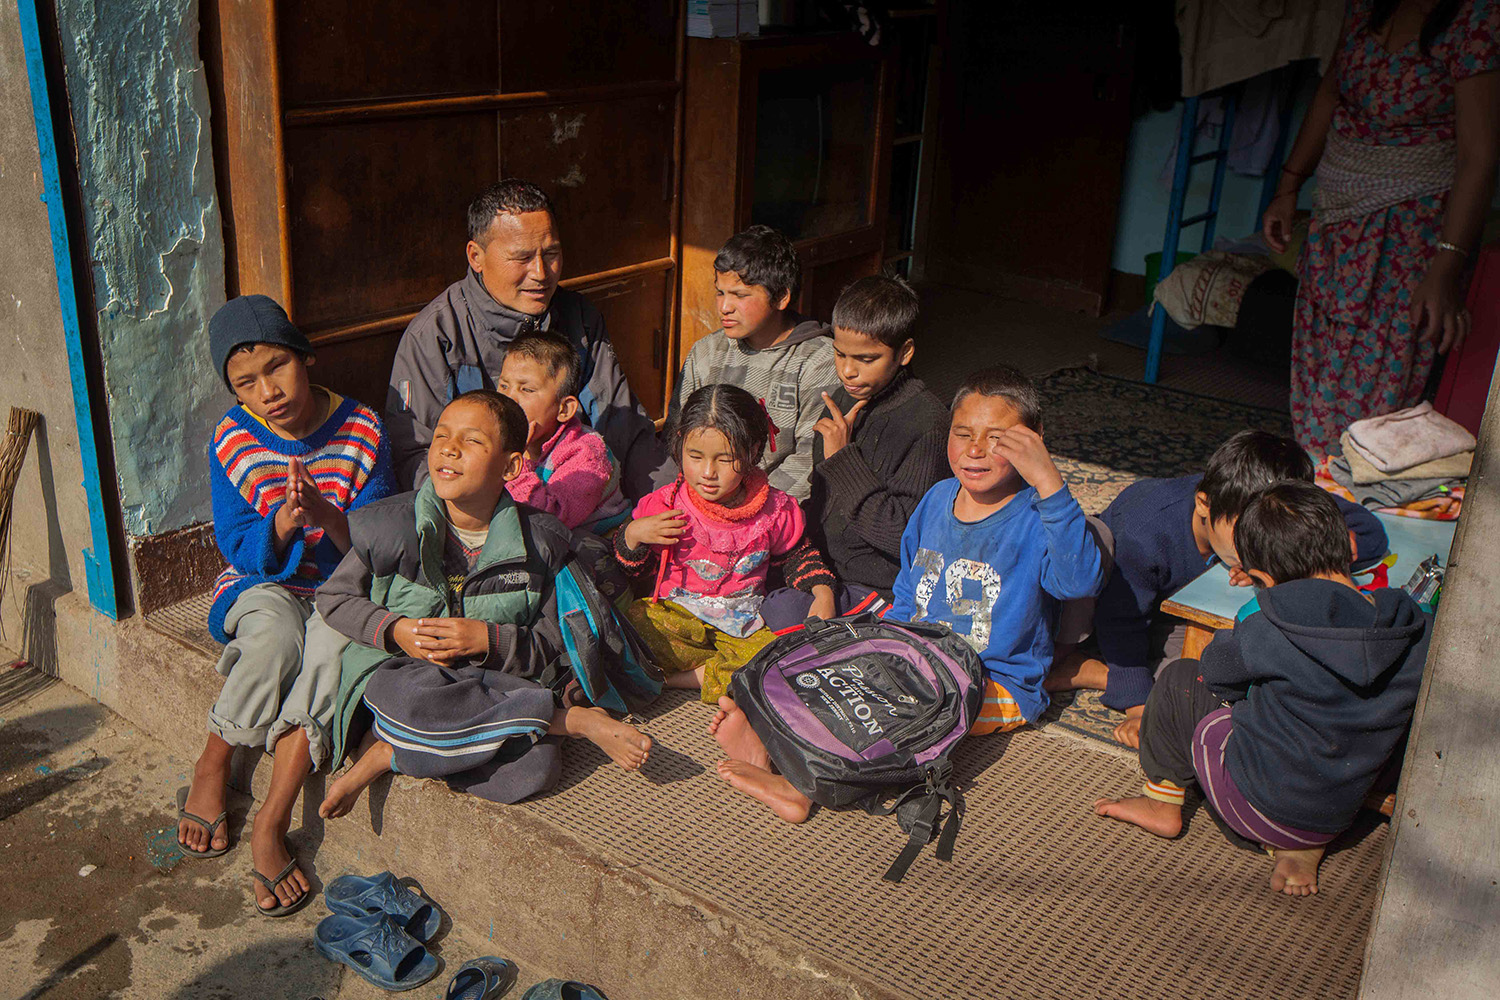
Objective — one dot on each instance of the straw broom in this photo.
(12, 455)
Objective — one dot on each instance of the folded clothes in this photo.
(1441, 508)
(1394, 442)
(1452, 467)
(1389, 492)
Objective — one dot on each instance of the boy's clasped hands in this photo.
(307, 507)
(442, 640)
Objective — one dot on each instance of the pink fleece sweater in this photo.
(577, 480)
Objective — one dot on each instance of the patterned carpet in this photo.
(1104, 434)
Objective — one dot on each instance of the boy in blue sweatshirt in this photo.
(287, 464)
(1167, 533)
(992, 551)
(1291, 716)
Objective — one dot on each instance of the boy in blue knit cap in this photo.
(287, 464)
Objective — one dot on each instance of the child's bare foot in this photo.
(732, 729)
(1129, 731)
(373, 761)
(1296, 872)
(763, 786)
(625, 744)
(1160, 818)
(269, 854)
(206, 797)
(688, 680)
(1076, 672)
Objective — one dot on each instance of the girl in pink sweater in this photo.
(706, 542)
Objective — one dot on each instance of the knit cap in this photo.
(251, 319)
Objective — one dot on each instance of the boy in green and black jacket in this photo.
(476, 632)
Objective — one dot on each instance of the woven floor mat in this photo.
(1042, 899)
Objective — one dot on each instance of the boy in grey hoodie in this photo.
(781, 358)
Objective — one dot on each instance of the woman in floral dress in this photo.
(1404, 134)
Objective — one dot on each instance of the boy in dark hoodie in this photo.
(1166, 533)
(879, 448)
(783, 359)
(1290, 717)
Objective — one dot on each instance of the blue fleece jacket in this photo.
(997, 582)
(1323, 684)
(1156, 556)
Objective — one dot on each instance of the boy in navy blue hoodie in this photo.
(1166, 533)
(1290, 717)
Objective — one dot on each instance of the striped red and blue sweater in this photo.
(349, 458)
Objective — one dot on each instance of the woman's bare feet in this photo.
(688, 680)
(1296, 872)
(732, 729)
(1075, 672)
(771, 789)
(206, 797)
(269, 855)
(374, 760)
(1129, 731)
(625, 744)
(1160, 818)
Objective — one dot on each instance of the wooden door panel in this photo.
(358, 50)
(1035, 127)
(564, 44)
(360, 368)
(635, 314)
(378, 211)
(607, 166)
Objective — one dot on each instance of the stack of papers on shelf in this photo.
(722, 18)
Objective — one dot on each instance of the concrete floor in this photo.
(95, 900)
(960, 331)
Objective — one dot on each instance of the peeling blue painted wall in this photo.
(140, 109)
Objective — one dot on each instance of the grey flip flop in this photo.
(199, 821)
(271, 883)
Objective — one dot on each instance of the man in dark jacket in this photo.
(1290, 718)
(459, 341)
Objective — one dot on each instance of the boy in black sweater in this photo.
(1290, 717)
(880, 447)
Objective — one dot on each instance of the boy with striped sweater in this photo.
(287, 464)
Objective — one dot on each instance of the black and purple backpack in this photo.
(863, 712)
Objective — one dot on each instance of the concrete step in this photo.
(668, 885)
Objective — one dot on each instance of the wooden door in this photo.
(1032, 151)
(353, 133)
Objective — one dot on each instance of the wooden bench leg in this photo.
(1197, 639)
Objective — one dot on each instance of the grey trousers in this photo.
(281, 671)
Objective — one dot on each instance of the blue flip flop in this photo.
(378, 949)
(365, 895)
(482, 979)
(563, 989)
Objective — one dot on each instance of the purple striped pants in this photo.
(1210, 737)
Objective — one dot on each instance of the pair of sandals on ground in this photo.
(381, 927)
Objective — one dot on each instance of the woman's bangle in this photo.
(1445, 245)
(1294, 173)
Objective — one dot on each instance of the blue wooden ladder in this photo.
(1186, 160)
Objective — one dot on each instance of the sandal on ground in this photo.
(378, 949)
(482, 979)
(271, 883)
(563, 989)
(199, 821)
(366, 895)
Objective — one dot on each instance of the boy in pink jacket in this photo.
(567, 470)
